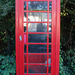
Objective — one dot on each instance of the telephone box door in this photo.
(37, 42)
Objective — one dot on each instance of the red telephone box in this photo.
(37, 37)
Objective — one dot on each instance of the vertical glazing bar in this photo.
(51, 36)
(47, 36)
(27, 37)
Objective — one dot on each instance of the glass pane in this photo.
(37, 58)
(24, 48)
(49, 38)
(49, 69)
(50, 28)
(37, 27)
(49, 48)
(25, 68)
(50, 6)
(24, 27)
(25, 5)
(37, 38)
(37, 69)
(37, 16)
(37, 48)
(37, 5)
(50, 17)
(49, 60)
(25, 16)
(25, 59)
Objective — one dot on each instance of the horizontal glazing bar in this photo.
(38, 11)
(36, 22)
(38, 33)
(37, 53)
(39, 43)
(38, 0)
(36, 64)
(38, 74)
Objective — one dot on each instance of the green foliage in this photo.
(63, 69)
(6, 6)
(68, 37)
(7, 65)
(7, 27)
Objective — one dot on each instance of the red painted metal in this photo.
(55, 39)
(37, 53)
(37, 74)
(38, 11)
(38, 32)
(21, 44)
(57, 36)
(53, 36)
(27, 36)
(37, 22)
(17, 39)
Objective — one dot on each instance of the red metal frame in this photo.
(55, 38)
(17, 39)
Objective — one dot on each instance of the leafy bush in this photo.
(63, 69)
(7, 65)
(69, 68)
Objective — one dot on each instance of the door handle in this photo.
(20, 38)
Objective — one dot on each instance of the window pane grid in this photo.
(38, 43)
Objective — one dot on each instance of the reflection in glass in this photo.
(24, 48)
(50, 27)
(49, 71)
(49, 38)
(37, 38)
(24, 58)
(37, 58)
(37, 27)
(49, 61)
(37, 16)
(25, 68)
(24, 27)
(37, 48)
(25, 5)
(37, 69)
(50, 17)
(50, 6)
(37, 5)
(25, 16)
(49, 48)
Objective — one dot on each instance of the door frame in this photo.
(55, 37)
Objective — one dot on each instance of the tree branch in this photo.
(71, 2)
(65, 3)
